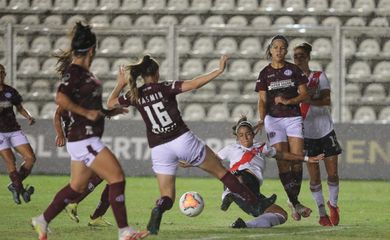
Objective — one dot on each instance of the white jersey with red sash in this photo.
(317, 119)
(252, 159)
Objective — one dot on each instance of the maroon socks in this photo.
(103, 205)
(117, 202)
(235, 186)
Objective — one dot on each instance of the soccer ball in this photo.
(191, 204)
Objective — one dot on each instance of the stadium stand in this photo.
(194, 112)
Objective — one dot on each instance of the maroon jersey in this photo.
(9, 98)
(281, 82)
(158, 107)
(85, 90)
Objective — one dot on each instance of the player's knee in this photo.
(333, 178)
(29, 160)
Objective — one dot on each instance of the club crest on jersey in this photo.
(271, 134)
(288, 72)
(8, 95)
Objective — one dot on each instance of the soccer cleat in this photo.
(154, 221)
(334, 214)
(40, 226)
(325, 221)
(71, 210)
(294, 214)
(227, 201)
(99, 222)
(263, 204)
(239, 223)
(15, 194)
(27, 192)
(130, 234)
(302, 210)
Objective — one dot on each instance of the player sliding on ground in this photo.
(169, 137)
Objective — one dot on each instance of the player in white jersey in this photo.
(319, 136)
(247, 161)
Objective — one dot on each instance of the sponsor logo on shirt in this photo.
(281, 84)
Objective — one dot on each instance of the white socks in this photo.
(266, 220)
(333, 193)
(316, 191)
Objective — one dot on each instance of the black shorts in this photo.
(249, 180)
(327, 145)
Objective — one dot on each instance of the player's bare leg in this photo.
(16, 186)
(28, 156)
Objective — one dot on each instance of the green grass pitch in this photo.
(364, 207)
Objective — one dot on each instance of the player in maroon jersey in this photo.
(80, 93)
(320, 136)
(11, 136)
(282, 87)
(170, 139)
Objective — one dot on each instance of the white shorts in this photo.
(12, 139)
(188, 148)
(278, 129)
(85, 150)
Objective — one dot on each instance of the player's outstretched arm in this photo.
(25, 114)
(288, 156)
(60, 138)
(199, 81)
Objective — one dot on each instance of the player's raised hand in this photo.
(122, 76)
(222, 62)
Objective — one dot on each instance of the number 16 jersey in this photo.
(158, 107)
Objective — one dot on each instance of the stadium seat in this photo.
(178, 5)
(284, 21)
(271, 5)
(211, 65)
(315, 65)
(294, 5)
(62, 43)
(110, 45)
(144, 21)
(21, 44)
(63, 4)
(21, 86)
(154, 5)
(194, 112)
(206, 92)
(322, 47)
(133, 45)
(2, 45)
(258, 66)
(41, 5)
(331, 21)
(32, 108)
(379, 22)
(19, 4)
(374, 92)
(364, 114)
(201, 5)
(109, 5)
(117, 63)
(349, 47)
(364, 6)
(352, 93)
(317, 5)
(226, 45)
(8, 18)
(381, 71)
(346, 114)
(218, 112)
(53, 20)
(214, 21)
(40, 91)
(191, 68)
(183, 45)
(29, 66)
(191, 20)
(355, 22)
(242, 110)
(3, 4)
(250, 46)
(261, 21)
(163, 69)
(121, 21)
(73, 19)
(107, 87)
(156, 46)
(223, 5)
(41, 44)
(99, 21)
(86, 5)
(384, 115)
(330, 70)
(237, 21)
(383, 7)
(359, 71)
(247, 5)
(368, 48)
(203, 45)
(100, 66)
(132, 5)
(49, 66)
(240, 69)
(386, 49)
(48, 110)
(308, 21)
(229, 90)
(293, 43)
(167, 20)
(340, 6)
(30, 20)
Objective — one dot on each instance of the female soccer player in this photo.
(282, 86)
(320, 136)
(247, 162)
(11, 136)
(80, 93)
(170, 139)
